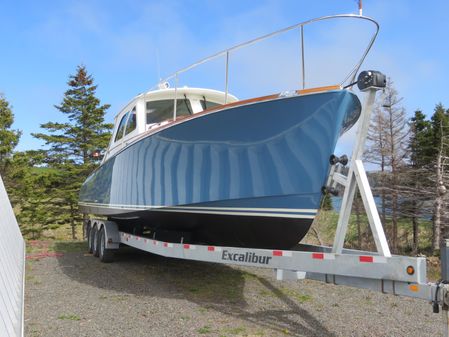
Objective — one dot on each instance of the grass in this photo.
(70, 317)
(70, 246)
(235, 331)
(218, 285)
(326, 223)
(50, 246)
(205, 329)
(301, 298)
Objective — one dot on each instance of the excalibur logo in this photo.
(247, 257)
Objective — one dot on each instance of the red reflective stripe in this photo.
(211, 248)
(366, 259)
(319, 256)
(277, 252)
(186, 246)
(154, 242)
(165, 244)
(145, 240)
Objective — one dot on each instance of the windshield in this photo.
(159, 111)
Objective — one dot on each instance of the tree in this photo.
(396, 144)
(429, 164)
(376, 151)
(8, 138)
(388, 148)
(71, 143)
(421, 156)
(440, 128)
(33, 193)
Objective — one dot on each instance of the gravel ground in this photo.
(141, 294)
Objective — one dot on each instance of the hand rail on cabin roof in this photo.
(349, 78)
(227, 52)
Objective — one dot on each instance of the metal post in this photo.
(176, 97)
(357, 176)
(445, 321)
(226, 77)
(302, 59)
(445, 260)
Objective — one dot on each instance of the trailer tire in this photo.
(89, 239)
(105, 255)
(95, 241)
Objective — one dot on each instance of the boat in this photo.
(198, 165)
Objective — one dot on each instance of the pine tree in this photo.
(72, 142)
(8, 138)
(420, 157)
(428, 172)
(33, 193)
(421, 140)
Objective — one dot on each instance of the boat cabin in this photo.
(151, 110)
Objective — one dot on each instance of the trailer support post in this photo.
(357, 177)
(444, 260)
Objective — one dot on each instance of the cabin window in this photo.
(159, 111)
(131, 124)
(205, 104)
(121, 127)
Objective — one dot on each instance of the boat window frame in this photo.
(123, 121)
(130, 113)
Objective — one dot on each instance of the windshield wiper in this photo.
(187, 105)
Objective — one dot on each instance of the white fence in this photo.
(12, 270)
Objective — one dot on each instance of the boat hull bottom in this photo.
(221, 230)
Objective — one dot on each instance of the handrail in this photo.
(351, 75)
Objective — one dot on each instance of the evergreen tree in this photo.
(420, 157)
(33, 193)
(72, 142)
(428, 178)
(8, 138)
(421, 145)
(85, 130)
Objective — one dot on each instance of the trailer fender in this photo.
(112, 234)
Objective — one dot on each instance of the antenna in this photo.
(360, 7)
(158, 65)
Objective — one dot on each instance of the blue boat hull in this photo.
(247, 175)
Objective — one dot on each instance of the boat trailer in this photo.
(379, 271)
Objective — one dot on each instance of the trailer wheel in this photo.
(94, 236)
(105, 255)
(89, 238)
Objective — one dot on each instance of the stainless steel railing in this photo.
(349, 78)
(12, 270)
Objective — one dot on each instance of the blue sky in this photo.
(122, 42)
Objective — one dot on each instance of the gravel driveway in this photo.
(140, 294)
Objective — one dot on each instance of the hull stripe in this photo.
(273, 212)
